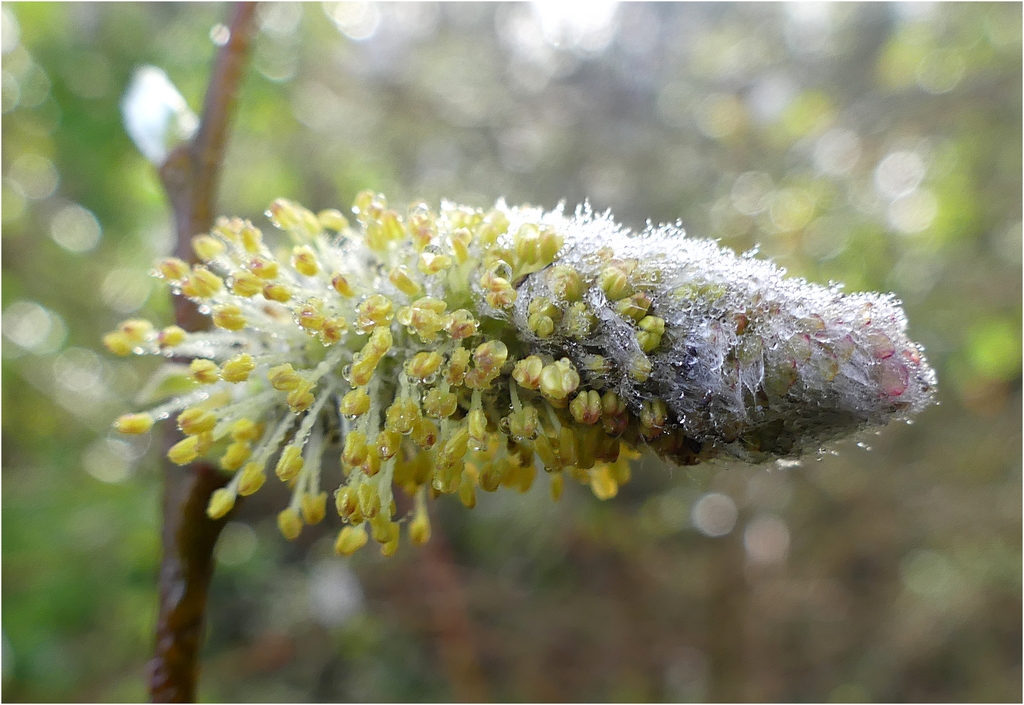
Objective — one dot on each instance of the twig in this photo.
(190, 177)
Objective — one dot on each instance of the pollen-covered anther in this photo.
(184, 451)
(354, 453)
(527, 371)
(246, 430)
(458, 363)
(118, 343)
(423, 365)
(460, 241)
(134, 424)
(283, 378)
(523, 424)
(221, 502)
(387, 444)
(201, 283)
(277, 292)
(235, 456)
(195, 420)
(402, 278)
(586, 407)
(246, 284)
(614, 417)
(419, 528)
(263, 268)
(490, 356)
(424, 433)
(462, 325)
(304, 261)
(565, 283)
(289, 464)
(289, 524)
(207, 248)
(238, 368)
(559, 379)
(440, 404)
(204, 371)
(136, 330)
(402, 414)
(300, 398)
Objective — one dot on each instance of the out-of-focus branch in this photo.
(190, 176)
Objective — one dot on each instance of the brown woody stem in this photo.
(190, 176)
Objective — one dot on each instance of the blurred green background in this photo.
(874, 144)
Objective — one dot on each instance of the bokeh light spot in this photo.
(75, 228)
(714, 514)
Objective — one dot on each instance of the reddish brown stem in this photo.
(190, 176)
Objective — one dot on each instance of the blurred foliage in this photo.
(878, 145)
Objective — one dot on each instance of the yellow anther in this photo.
(246, 284)
(602, 484)
(653, 416)
(341, 285)
(134, 424)
(457, 445)
(424, 316)
(579, 321)
(184, 451)
(526, 244)
(477, 424)
(137, 330)
(238, 368)
(523, 424)
(310, 316)
(460, 240)
(290, 463)
(586, 407)
(387, 444)
(221, 502)
(652, 328)
(172, 268)
(377, 310)
(557, 485)
(118, 343)
(635, 306)
(204, 371)
(401, 415)
(457, 363)
(541, 326)
(558, 380)
(500, 293)
(490, 356)
(252, 479)
(369, 500)
(439, 404)
(612, 404)
(546, 451)
(314, 507)
(527, 372)
(401, 277)
(345, 502)
(355, 450)
(252, 238)
(494, 225)
(379, 343)
(371, 466)
(362, 369)
(300, 398)
(565, 283)
(462, 325)
(195, 420)
(235, 456)
(283, 378)
(419, 528)
(350, 540)
(277, 292)
(423, 364)
(304, 261)
(245, 430)
(264, 268)
(431, 264)
(331, 219)
(640, 368)
(171, 336)
(354, 403)
(201, 284)
(549, 245)
(289, 524)
(332, 330)
(543, 306)
(206, 247)
(228, 317)
(614, 281)
(424, 433)
(298, 221)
